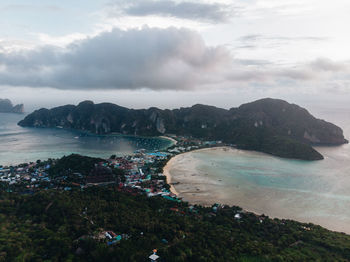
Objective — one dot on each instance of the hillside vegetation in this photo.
(65, 226)
(269, 125)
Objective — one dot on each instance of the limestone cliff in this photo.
(267, 125)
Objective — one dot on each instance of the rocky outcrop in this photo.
(267, 125)
(292, 121)
(7, 107)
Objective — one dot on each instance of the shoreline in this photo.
(202, 202)
(170, 139)
(168, 177)
(169, 165)
(198, 185)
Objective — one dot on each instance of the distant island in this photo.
(268, 125)
(6, 106)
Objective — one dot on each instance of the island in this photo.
(267, 125)
(6, 106)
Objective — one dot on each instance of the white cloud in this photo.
(133, 59)
(159, 59)
(61, 41)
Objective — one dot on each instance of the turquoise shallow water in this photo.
(317, 192)
(18, 145)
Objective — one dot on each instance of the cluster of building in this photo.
(142, 171)
(31, 175)
(112, 238)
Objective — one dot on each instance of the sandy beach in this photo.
(187, 183)
(166, 172)
(263, 184)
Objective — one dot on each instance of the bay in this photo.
(316, 192)
(19, 145)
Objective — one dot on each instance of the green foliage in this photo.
(73, 163)
(63, 226)
(268, 125)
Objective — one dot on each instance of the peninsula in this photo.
(6, 106)
(268, 125)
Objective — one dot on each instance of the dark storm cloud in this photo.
(214, 12)
(133, 59)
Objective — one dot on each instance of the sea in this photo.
(312, 192)
(22, 145)
(317, 192)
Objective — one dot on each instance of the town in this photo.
(141, 171)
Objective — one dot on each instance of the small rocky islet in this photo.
(6, 106)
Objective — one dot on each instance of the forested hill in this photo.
(53, 225)
(268, 125)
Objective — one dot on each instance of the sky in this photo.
(172, 53)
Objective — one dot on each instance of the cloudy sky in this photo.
(171, 53)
